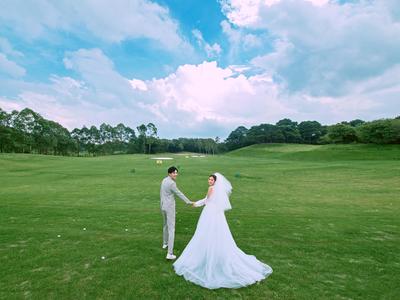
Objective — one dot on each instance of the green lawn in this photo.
(325, 218)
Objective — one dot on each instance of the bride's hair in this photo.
(213, 176)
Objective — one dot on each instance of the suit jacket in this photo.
(167, 192)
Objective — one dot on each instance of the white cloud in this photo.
(322, 48)
(195, 100)
(196, 96)
(10, 104)
(11, 68)
(211, 50)
(109, 21)
(251, 41)
(48, 106)
(68, 89)
(243, 12)
(239, 40)
(233, 35)
(98, 72)
(239, 68)
(7, 49)
(100, 95)
(247, 12)
(138, 84)
(62, 107)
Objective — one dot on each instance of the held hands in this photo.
(194, 204)
(199, 203)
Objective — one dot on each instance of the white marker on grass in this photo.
(103, 257)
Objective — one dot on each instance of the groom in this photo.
(167, 191)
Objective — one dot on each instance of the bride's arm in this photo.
(203, 201)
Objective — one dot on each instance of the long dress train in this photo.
(212, 259)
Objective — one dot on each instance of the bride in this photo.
(212, 259)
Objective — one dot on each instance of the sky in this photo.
(200, 68)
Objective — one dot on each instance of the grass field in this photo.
(325, 218)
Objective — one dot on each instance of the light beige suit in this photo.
(167, 192)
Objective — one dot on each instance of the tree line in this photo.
(384, 131)
(26, 131)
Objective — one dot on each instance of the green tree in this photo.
(25, 122)
(76, 135)
(289, 130)
(151, 133)
(386, 131)
(237, 138)
(310, 131)
(341, 133)
(6, 133)
(95, 137)
(265, 133)
(142, 129)
(356, 122)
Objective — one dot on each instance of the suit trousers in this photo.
(169, 228)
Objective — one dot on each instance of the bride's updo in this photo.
(213, 176)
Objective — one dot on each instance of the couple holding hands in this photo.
(211, 259)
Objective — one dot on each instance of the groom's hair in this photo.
(172, 170)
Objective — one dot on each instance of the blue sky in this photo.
(200, 68)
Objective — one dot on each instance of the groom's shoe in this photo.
(170, 256)
(164, 246)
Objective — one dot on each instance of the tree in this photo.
(6, 133)
(45, 139)
(6, 138)
(237, 138)
(106, 133)
(289, 130)
(76, 135)
(384, 131)
(142, 136)
(26, 122)
(95, 138)
(341, 133)
(130, 138)
(310, 131)
(151, 133)
(64, 143)
(356, 122)
(85, 138)
(3, 117)
(129, 135)
(265, 133)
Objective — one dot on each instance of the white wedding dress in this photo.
(212, 258)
